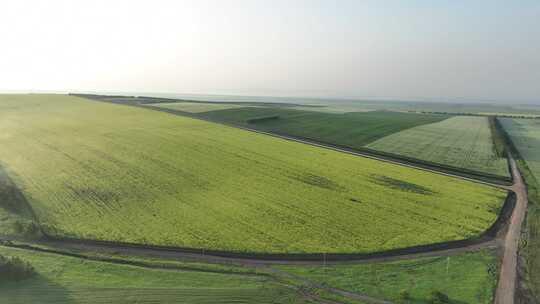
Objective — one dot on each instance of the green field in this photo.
(350, 129)
(62, 279)
(461, 141)
(468, 278)
(196, 107)
(111, 172)
(525, 135)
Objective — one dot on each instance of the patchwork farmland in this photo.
(352, 130)
(464, 145)
(462, 141)
(110, 172)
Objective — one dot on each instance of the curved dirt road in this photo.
(172, 253)
(506, 288)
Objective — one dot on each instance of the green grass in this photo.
(461, 141)
(112, 172)
(196, 107)
(349, 129)
(467, 278)
(62, 279)
(525, 135)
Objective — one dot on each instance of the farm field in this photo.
(110, 172)
(337, 105)
(62, 279)
(350, 129)
(465, 278)
(525, 135)
(461, 141)
(196, 107)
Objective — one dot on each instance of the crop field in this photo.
(349, 129)
(461, 141)
(466, 278)
(111, 172)
(62, 279)
(196, 107)
(525, 135)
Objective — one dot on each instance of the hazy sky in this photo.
(432, 49)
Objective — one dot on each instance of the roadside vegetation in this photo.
(465, 278)
(134, 175)
(14, 269)
(525, 136)
(462, 141)
(61, 279)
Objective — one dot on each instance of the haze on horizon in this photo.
(415, 50)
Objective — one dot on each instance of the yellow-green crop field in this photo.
(461, 141)
(112, 172)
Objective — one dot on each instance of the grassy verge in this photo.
(530, 246)
(62, 279)
(524, 139)
(467, 278)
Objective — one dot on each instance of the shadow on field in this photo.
(17, 217)
(11, 198)
(35, 290)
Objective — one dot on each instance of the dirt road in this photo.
(505, 293)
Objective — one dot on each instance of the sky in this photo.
(444, 50)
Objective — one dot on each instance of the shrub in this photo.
(15, 269)
(26, 228)
(404, 296)
(437, 297)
